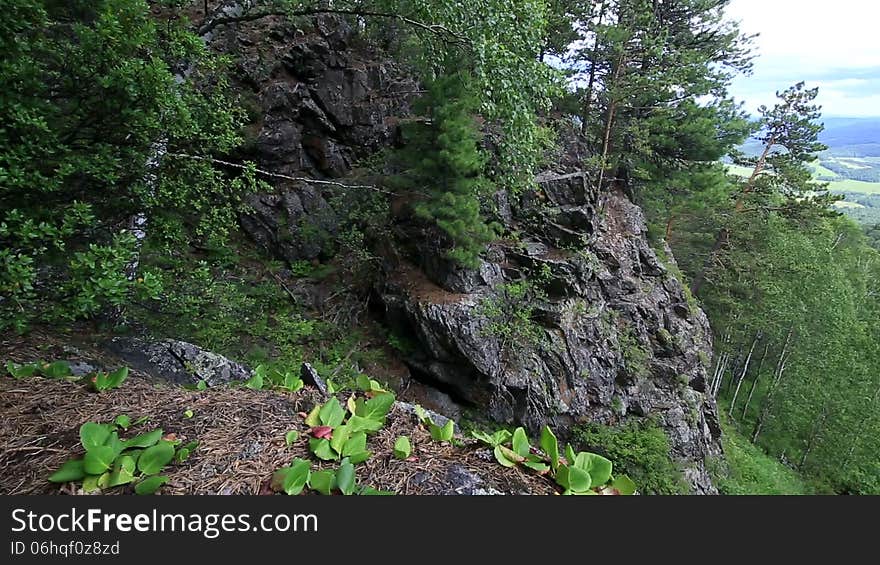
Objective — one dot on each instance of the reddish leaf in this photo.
(323, 432)
(302, 415)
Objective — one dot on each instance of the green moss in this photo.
(635, 356)
(639, 449)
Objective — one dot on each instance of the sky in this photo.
(834, 45)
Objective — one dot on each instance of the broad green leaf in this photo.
(90, 483)
(550, 446)
(73, 470)
(357, 443)
(123, 471)
(376, 408)
(442, 434)
(502, 458)
(57, 370)
(331, 414)
(292, 382)
(351, 404)
(21, 371)
(93, 435)
(345, 477)
(340, 436)
(579, 480)
(520, 442)
(538, 466)
(154, 459)
(360, 457)
(624, 485)
(291, 437)
(297, 477)
(510, 455)
(597, 466)
(117, 377)
(122, 421)
(201, 385)
(363, 382)
(188, 414)
(150, 485)
(370, 491)
(313, 420)
(360, 424)
(322, 450)
(421, 413)
(98, 459)
(323, 481)
(147, 439)
(402, 448)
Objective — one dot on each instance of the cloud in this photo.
(832, 46)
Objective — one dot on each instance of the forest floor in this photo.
(241, 434)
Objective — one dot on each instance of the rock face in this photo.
(322, 104)
(576, 321)
(579, 321)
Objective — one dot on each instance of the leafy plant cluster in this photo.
(98, 381)
(111, 461)
(580, 473)
(510, 313)
(338, 433)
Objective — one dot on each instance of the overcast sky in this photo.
(834, 45)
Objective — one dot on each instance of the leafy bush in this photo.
(638, 448)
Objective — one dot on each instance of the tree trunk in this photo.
(815, 432)
(768, 400)
(591, 82)
(755, 382)
(743, 374)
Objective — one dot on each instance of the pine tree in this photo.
(446, 167)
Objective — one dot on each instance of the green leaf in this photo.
(90, 483)
(520, 442)
(123, 471)
(122, 421)
(345, 477)
(21, 371)
(258, 378)
(357, 443)
(188, 414)
(93, 435)
(370, 491)
(579, 480)
(536, 465)
(331, 414)
(292, 382)
(150, 485)
(360, 457)
(360, 424)
(442, 434)
(624, 485)
(597, 466)
(421, 413)
(296, 478)
(291, 437)
(98, 459)
(56, 370)
(117, 377)
(323, 481)
(402, 448)
(73, 470)
(550, 446)
(154, 459)
(375, 408)
(313, 420)
(322, 450)
(201, 385)
(511, 457)
(146, 439)
(569, 454)
(340, 436)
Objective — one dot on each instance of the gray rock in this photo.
(177, 362)
(310, 377)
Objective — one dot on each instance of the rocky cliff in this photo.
(575, 320)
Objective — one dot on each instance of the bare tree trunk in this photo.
(591, 82)
(743, 374)
(755, 381)
(815, 432)
(780, 369)
(609, 123)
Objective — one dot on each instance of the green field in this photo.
(842, 185)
